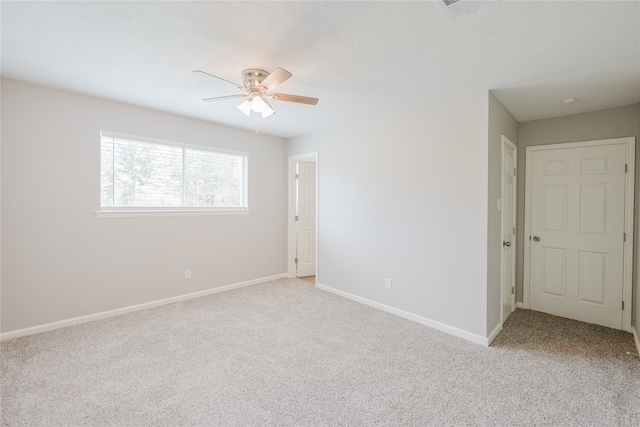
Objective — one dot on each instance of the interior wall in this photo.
(604, 124)
(404, 197)
(59, 260)
(501, 122)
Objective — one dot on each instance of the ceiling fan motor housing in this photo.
(253, 77)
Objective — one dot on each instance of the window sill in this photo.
(158, 213)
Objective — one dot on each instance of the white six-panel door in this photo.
(509, 161)
(306, 224)
(577, 232)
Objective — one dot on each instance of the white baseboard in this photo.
(494, 333)
(636, 338)
(519, 305)
(478, 339)
(102, 315)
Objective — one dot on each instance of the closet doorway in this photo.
(303, 216)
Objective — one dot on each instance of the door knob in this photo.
(536, 239)
(506, 243)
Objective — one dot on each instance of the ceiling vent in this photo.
(455, 8)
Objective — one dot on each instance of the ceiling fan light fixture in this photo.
(268, 110)
(245, 107)
(257, 104)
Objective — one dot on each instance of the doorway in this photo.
(303, 217)
(579, 230)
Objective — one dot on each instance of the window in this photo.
(143, 174)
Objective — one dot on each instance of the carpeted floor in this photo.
(286, 353)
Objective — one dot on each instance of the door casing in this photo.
(627, 284)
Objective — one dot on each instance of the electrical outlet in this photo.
(387, 283)
(187, 273)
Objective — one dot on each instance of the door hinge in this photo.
(515, 172)
(626, 168)
(296, 217)
(622, 305)
(513, 290)
(296, 260)
(624, 238)
(297, 175)
(514, 231)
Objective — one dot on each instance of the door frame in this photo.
(627, 281)
(507, 142)
(291, 211)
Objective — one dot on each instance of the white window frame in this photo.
(134, 211)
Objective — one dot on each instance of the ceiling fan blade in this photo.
(294, 98)
(219, 78)
(222, 98)
(275, 78)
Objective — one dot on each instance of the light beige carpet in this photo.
(285, 353)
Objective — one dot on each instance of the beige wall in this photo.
(501, 122)
(59, 260)
(611, 123)
(395, 202)
(405, 197)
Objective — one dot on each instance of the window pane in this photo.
(213, 179)
(147, 174)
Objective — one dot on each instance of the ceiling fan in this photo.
(256, 89)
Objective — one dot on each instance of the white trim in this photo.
(627, 287)
(629, 212)
(111, 313)
(519, 304)
(636, 338)
(291, 211)
(157, 213)
(451, 330)
(526, 231)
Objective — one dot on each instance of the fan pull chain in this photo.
(258, 125)
(256, 115)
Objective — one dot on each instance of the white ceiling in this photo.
(361, 58)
